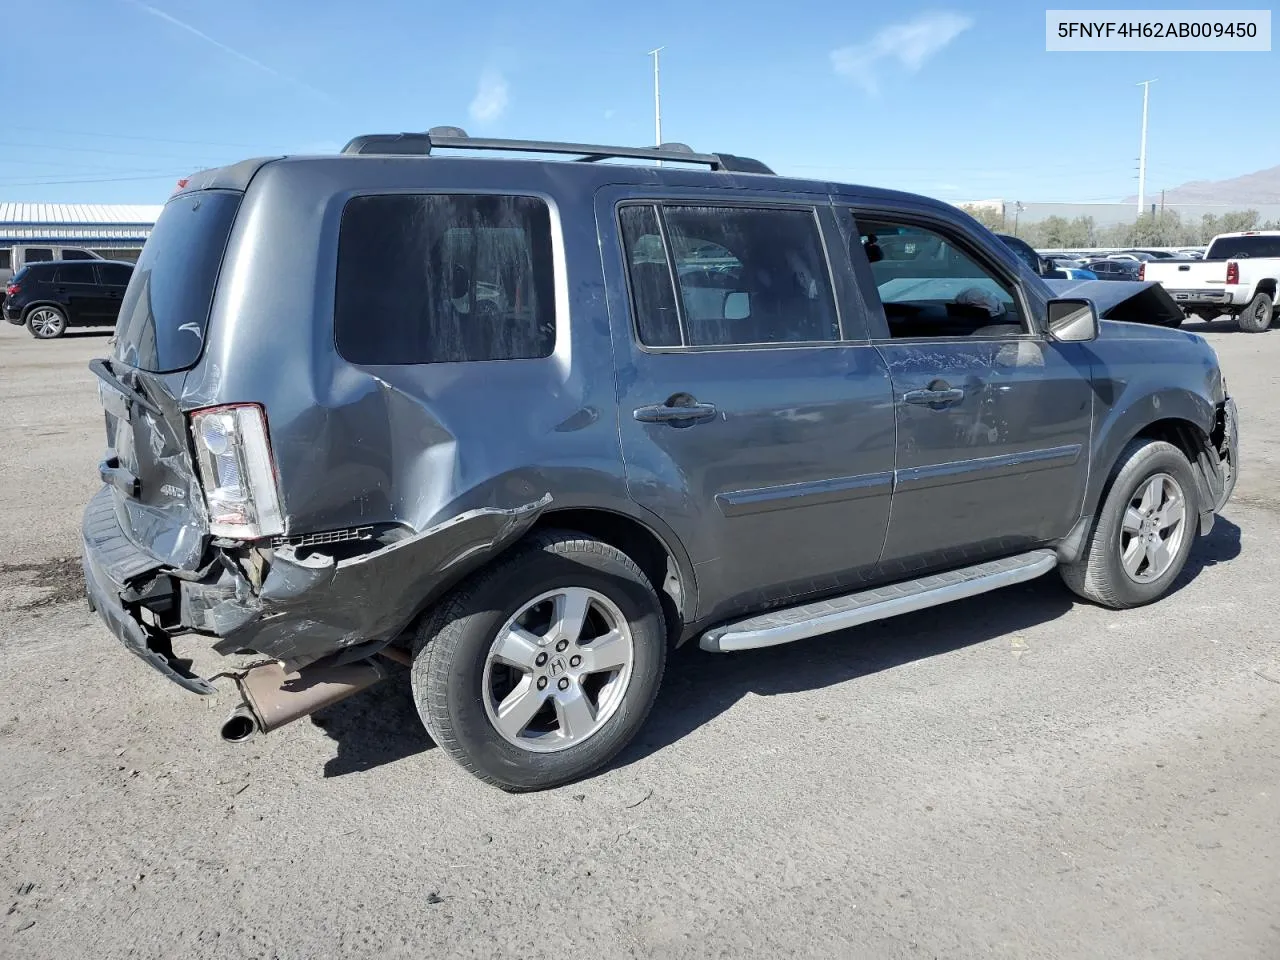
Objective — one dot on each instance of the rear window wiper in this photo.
(103, 371)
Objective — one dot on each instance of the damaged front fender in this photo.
(311, 605)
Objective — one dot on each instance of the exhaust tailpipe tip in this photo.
(241, 727)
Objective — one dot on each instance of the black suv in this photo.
(50, 297)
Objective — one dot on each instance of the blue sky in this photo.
(112, 100)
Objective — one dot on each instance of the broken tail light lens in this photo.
(233, 457)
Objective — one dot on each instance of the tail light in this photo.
(236, 471)
(11, 289)
(1142, 272)
(1233, 272)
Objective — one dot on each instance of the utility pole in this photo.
(1142, 156)
(657, 100)
(1017, 211)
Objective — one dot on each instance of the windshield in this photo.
(165, 310)
(1242, 248)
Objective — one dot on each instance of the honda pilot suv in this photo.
(525, 425)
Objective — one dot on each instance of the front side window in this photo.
(74, 273)
(930, 287)
(444, 278)
(38, 254)
(115, 274)
(741, 276)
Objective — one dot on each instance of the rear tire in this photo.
(46, 323)
(1256, 317)
(1143, 533)
(519, 690)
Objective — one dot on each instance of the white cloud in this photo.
(911, 43)
(490, 101)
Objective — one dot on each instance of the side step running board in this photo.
(851, 610)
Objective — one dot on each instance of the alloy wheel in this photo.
(1153, 528)
(558, 670)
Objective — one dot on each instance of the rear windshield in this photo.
(1242, 248)
(165, 310)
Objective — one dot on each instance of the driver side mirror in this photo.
(1073, 320)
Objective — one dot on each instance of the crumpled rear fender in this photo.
(310, 605)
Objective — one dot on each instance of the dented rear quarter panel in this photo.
(360, 444)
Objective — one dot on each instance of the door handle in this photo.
(935, 396)
(677, 414)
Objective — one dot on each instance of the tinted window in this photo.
(114, 274)
(74, 273)
(931, 287)
(71, 253)
(653, 295)
(165, 311)
(1242, 248)
(6, 258)
(38, 254)
(743, 276)
(433, 279)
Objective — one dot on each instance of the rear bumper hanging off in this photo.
(308, 605)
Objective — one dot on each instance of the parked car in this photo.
(52, 297)
(1117, 269)
(1238, 276)
(524, 425)
(1049, 267)
(14, 258)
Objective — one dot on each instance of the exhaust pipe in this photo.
(273, 698)
(240, 727)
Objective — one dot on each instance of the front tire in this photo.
(1256, 317)
(539, 669)
(1144, 531)
(46, 323)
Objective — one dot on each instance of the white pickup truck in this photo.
(1238, 275)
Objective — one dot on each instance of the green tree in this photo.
(990, 218)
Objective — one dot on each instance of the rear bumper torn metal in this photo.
(308, 605)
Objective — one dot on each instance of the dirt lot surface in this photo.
(1020, 775)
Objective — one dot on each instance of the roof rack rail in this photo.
(422, 144)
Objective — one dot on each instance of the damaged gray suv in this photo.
(525, 425)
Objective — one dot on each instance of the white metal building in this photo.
(116, 231)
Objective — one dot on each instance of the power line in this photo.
(46, 183)
(128, 136)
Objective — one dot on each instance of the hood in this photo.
(1132, 301)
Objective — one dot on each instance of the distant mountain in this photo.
(1251, 189)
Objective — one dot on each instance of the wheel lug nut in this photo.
(541, 659)
(542, 683)
(575, 661)
(562, 645)
(564, 683)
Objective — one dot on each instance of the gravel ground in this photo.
(1022, 775)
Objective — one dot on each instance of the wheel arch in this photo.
(656, 552)
(1266, 285)
(1184, 420)
(61, 308)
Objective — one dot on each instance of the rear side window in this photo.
(38, 254)
(443, 278)
(74, 273)
(165, 311)
(6, 258)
